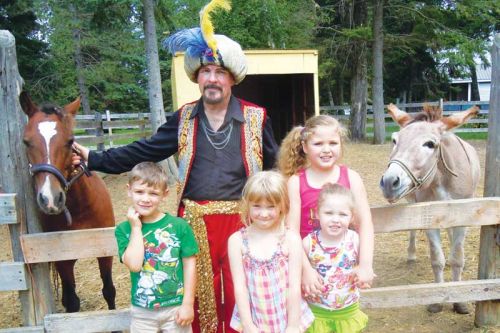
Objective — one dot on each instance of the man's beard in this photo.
(207, 98)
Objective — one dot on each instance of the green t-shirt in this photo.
(160, 283)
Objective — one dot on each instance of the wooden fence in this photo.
(478, 124)
(54, 246)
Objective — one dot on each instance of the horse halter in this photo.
(419, 181)
(65, 183)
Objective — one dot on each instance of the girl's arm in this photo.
(365, 273)
(234, 248)
(295, 255)
(133, 257)
(312, 283)
(185, 314)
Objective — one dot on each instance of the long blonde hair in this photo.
(265, 185)
(291, 156)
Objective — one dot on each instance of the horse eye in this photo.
(393, 141)
(70, 142)
(430, 144)
(26, 142)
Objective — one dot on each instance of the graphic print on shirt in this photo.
(158, 277)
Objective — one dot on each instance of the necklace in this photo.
(213, 136)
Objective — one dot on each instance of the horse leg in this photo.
(437, 262)
(108, 288)
(412, 247)
(457, 261)
(70, 300)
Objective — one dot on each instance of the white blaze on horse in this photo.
(429, 163)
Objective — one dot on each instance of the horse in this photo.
(67, 199)
(429, 163)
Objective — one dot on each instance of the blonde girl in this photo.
(265, 260)
(333, 251)
(310, 157)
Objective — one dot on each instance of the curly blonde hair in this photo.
(291, 156)
(265, 185)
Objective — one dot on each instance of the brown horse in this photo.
(68, 200)
(429, 163)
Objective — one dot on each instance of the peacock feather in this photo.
(207, 28)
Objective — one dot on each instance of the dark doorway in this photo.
(288, 98)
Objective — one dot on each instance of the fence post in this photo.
(110, 130)
(142, 127)
(14, 178)
(99, 131)
(488, 312)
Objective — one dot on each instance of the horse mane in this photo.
(49, 108)
(429, 114)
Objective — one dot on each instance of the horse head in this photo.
(48, 138)
(417, 149)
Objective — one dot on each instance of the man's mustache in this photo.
(212, 86)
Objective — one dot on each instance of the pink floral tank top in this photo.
(309, 200)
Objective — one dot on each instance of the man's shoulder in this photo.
(250, 104)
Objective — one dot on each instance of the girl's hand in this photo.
(250, 329)
(185, 315)
(312, 283)
(134, 218)
(363, 277)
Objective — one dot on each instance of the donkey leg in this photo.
(412, 247)
(108, 288)
(70, 300)
(437, 262)
(457, 261)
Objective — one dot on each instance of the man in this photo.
(221, 140)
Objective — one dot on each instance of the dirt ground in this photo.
(390, 260)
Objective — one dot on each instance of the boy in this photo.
(159, 251)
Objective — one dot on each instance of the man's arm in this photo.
(269, 146)
(158, 147)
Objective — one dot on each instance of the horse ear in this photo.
(27, 104)
(73, 107)
(459, 118)
(400, 117)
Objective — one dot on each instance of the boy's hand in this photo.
(80, 152)
(134, 218)
(185, 315)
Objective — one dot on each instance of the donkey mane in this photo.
(429, 114)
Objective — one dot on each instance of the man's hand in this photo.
(79, 152)
(363, 277)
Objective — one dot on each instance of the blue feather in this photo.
(189, 40)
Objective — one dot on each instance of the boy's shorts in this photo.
(148, 320)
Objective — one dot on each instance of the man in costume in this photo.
(220, 140)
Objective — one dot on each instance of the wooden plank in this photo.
(28, 329)
(64, 245)
(8, 214)
(488, 313)
(86, 322)
(15, 178)
(429, 293)
(436, 214)
(123, 123)
(13, 276)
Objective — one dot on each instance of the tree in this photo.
(378, 78)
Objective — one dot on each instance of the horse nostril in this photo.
(42, 199)
(395, 183)
(382, 182)
(60, 199)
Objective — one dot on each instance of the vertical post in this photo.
(37, 301)
(440, 103)
(99, 131)
(488, 312)
(110, 130)
(142, 126)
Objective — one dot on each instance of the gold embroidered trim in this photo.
(194, 213)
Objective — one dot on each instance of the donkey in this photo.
(429, 163)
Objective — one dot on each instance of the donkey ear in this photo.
(27, 104)
(401, 117)
(73, 107)
(459, 118)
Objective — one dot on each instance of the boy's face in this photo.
(146, 199)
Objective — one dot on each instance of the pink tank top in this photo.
(309, 200)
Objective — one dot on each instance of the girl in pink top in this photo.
(310, 156)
